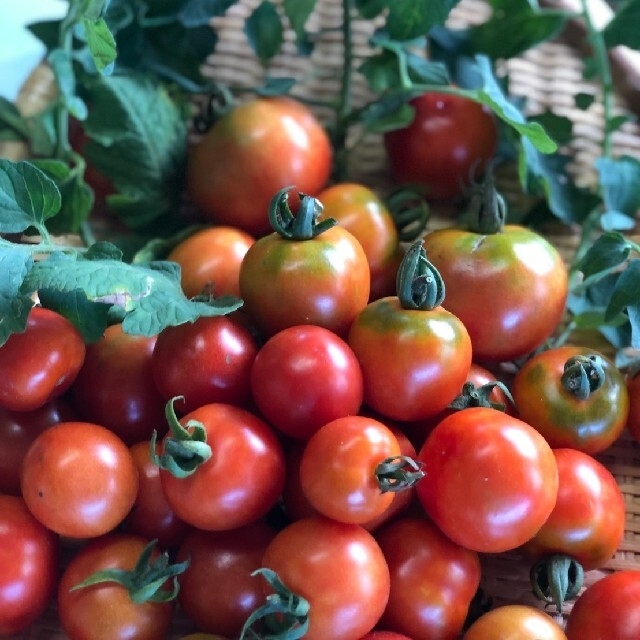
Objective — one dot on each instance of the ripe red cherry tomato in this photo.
(491, 480)
(304, 377)
(250, 153)
(450, 141)
(79, 479)
(29, 561)
(515, 621)
(41, 363)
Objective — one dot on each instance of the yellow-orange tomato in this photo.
(211, 257)
(515, 622)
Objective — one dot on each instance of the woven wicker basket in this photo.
(548, 76)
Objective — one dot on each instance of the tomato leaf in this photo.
(622, 29)
(410, 19)
(15, 262)
(619, 179)
(370, 9)
(560, 128)
(606, 253)
(198, 13)
(298, 12)
(626, 293)
(101, 43)
(12, 125)
(264, 30)
(27, 196)
(616, 221)
(61, 62)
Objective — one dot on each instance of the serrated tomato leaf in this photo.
(410, 19)
(15, 262)
(626, 293)
(101, 43)
(264, 31)
(607, 252)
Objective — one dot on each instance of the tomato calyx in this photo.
(398, 473)
(304, 225)
(556, 578)
(185, 449)
(144, 582)
(487, 209)
(219, 101)
(410, 212)
(472, 396)
(419, 284)
(284, 615)
(583, 375)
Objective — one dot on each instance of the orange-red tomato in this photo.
(515, 622)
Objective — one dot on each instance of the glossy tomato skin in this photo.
(106, 611)
(303, 377)
(151, 516)
(515, 622)
(18, 429)
(223, 558)
(338, 568)
(449, 142)
(413, 362)
(41, 363)
(363, 213)
(323, 281)
(210, 260)
(79, 479)
(29, 558)
(240, 482)
(588, 520)
(205, 361)
(609, 608)
(252, 152)
(491, 480)
(591, 425)
(433, 580)
(115, 386)
(509, 288)
(338, 468)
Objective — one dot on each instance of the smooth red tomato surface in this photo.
(106, 611)
(450, 140)
(205, 361)
(491, 480)
(592, 424)
(323, 281)
(304, 377)
(588, 520)
(339, 464)
(433, 580)
(515, 622)
(413, 362)
(29, 561)
(210, 260)
(241, 480)
(250, 153)
(362, 212)
(41, 363)
(18, 429)
(385, 635)
(151, 516)
(509, 288)
(79, 479)
(338, 568)
(607, 609)
(115, 387)
(225, 558)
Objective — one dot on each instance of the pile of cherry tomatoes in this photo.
(331, 460)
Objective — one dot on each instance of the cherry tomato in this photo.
(29, 561)
(115, 387)
(205, 361)
(79, 479)
(210, 260)
(385, 635)
(588, 520)
(491, 480)
(304, 377)
(515, 622)
(550, 399)
(240, 482)
(250, 153)
(508, 288)
(360, 211)
(18, 429)
(41, 363)
(106, 611)
(289, 278)
(338, 568)
(433, 580)
(339, 468)
(609, 608)
(151, 517)
(449, 141)
(223, 558)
